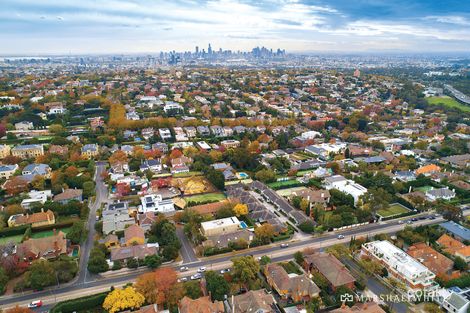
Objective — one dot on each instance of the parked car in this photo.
(284, 245)
(201, 269)
(227, 270)
(184, 268)
(340, 237)
(35, 304)
(183, 279)
(196, 276)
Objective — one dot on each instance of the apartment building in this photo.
(401, 266)
(27, 151)
(220, 226)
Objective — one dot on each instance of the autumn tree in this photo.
(240, 209)
(245, 269)
(118, 156)
(123, 299)
(146, 284)
(16, 185)
(264, 233)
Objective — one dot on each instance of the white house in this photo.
(165, 133)
(440, 193)
(155, 203)
(345, 185)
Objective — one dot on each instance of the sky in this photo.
(40, 27)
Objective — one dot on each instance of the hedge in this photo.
(13, 231)
(80, 304)
(57, 226)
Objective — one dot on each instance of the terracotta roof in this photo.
(296, 286)
(44, 247)
(200, 305)
(209, 208)
(433, 260)
(368, 307)
(35, 218)
(428, 169)
(147, 218)
(139, 252)
(450, 244)
(464, 251)
(133, 231)
(331, 268)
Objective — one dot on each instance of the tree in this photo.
(216, 178)
(97, 261)
(153, 261)
(166, 278)
(123, 299)
(266, 176)
(192, 289)
(217, 286)
(3, 280)
(376, 199)
(240, 209)
(146, 284)
(56, 129)
(118, 156)
(460, 264)
(265, 260)
(38, 182)
(77, 232)
(344, 294)
(265, 232)
(132, 263)
(41, 274)
(245, 269)
(449, 212)
(88, 189)
(307, 227)
(299, 258)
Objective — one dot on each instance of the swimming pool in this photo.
(242, 175)
(243, 225)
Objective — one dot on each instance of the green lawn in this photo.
(449, 102)
(188, 174)
(423, 188)
(206, 197)
(49, 233)
(287, 192)
(392, 210)
(15, 239)
(284, 184)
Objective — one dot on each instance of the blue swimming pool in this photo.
(242, 175)
(243, 225)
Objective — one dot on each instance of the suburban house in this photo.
(401, 266)
(200, 305)
(90, 150)
(153, 165)
(458, 231)
(433, 260)
(165, 133)
(32, 170)
(405, 176)
(35, 219)
(253, 301)
(24, 125)
(138, 252)
(366, 307)
(27, 151)
(428, 170)
(116, 217)
(331, 268)
(68, 195)
(440, 193)
(47, 247)
(6, 171)
(155, 203)
(36, 197)
(230, 144)
(134, 235)
(146, 220)
(220, 226)
(314, 197)
(346, 186)
(60, 150)
(293, 286)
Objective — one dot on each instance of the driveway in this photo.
(186, 251)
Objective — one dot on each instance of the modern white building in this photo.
(220, 226)
(165, 133)
(155, 203)
(401, 266)
(345, 185)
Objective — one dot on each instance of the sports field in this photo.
(449, 102)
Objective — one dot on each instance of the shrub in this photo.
(84, 303)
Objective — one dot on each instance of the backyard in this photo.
(394, 209)
(207, 197)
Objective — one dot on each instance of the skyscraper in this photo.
(209, 49)
(197, 50)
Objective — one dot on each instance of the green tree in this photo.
(88, 189)
(192, 289)
(41, 274)
(264, 260)
(343, 291)
(153, 261)
(460, 264)
(266, 176)
(97, 262)
(299, 258)
(245, 269)
(132, 263)
(216, 178)
(3, 280)
(77, 232)
(217, 286)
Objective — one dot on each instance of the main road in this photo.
(102, 283)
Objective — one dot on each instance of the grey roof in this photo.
(456, 229)
(457, 301)
(441, 192)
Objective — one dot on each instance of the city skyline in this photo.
(125, 26)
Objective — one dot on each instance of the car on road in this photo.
(184, 268)
(409, 222)
(284, 245)
(340, 237)
(196, 276)
(414, 219)
(400, 222)
(227, 270)
(431, 217)
(201, 269)
(35, 304)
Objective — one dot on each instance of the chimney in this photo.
(42, 210)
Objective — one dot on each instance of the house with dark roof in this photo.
(331, 268)
(293, 286)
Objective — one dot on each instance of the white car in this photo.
(201, 269)
(340, 237)
(196, 276)
(183, 279)
(227, 270)
(35, 304)
(183, 268)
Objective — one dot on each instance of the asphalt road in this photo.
(102, 283)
